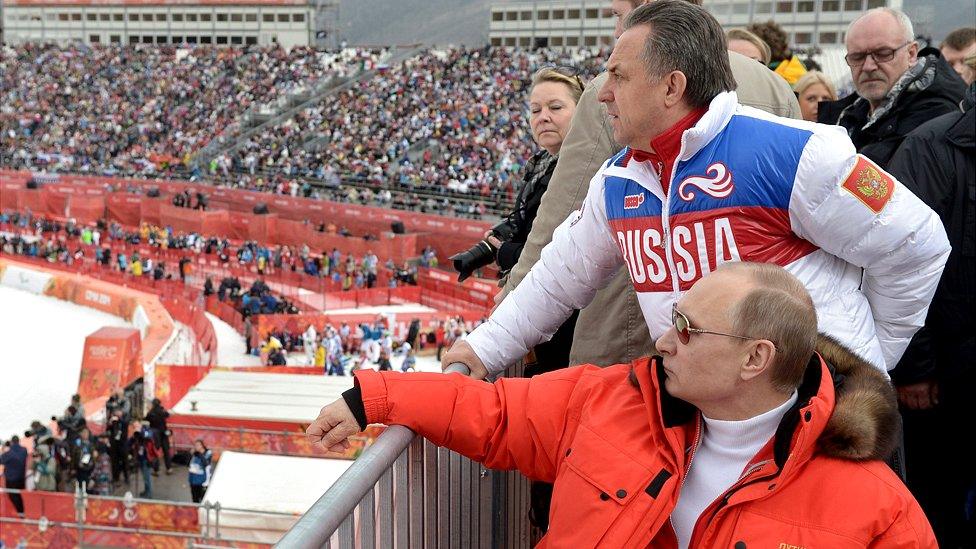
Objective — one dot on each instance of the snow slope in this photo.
(231, 349)
(43, 340)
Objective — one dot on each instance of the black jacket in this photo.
(938, 163)
(928, 91)
(157, 418)
(535, 181)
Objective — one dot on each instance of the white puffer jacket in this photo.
(747, 186)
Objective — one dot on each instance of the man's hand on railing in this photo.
(332, 429)
(463, 353)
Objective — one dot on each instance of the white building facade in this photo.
(807, 23)
(573, 23)
(555, 24)
(212, 22)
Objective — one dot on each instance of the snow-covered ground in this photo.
(43, 340)
(231, 348)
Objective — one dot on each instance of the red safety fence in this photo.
(297, 324)
(371, 297)
(476, 293)
(50, 521)
(59, 506)
(446, 235)
(225, 312)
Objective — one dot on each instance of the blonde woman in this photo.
(748, 44)
(812, 88)
(552, 103)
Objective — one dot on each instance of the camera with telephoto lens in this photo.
(482, 253)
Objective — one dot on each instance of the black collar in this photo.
(676, 412)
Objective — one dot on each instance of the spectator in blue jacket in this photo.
(14, 462)
(200, 468)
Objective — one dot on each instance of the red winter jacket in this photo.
(618, 453)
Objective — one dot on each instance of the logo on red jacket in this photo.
(869, 184)
(717, 183)
(633, 201)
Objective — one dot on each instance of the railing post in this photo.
(217, 519)
(415, 486)
(206, 526)
(401, 502)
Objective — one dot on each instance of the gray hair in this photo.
(684, 37)
(907, 30)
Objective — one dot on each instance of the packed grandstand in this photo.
(232, 233)
(144, 111)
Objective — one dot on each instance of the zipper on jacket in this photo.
(726, 497)
(666, 220)
(691, 458)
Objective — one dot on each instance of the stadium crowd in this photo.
(452, 123)
(366, 345)
(138, 110)
(462, 110)
(463, 114)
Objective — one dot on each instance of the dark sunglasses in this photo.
(684, 329)
(882, 55)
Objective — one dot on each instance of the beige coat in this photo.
(612, 330)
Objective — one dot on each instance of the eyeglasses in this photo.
(882, 55)
(684, 328)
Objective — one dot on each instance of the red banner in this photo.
(174, 382)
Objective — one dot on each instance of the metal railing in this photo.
(405, 492)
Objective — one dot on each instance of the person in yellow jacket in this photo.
(136, 267)
(320, 356)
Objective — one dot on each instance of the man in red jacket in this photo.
(738, 435)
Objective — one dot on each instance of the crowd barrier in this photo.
(63, 521)
(399, 323)
(86, 288)
(225, 312)
(77, 194)
(371, 297)
(301, 289)
(405, 492)
(477, 293)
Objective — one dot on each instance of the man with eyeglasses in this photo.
(737, 434)
(898, 87)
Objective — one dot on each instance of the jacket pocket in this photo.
(760, 530)
(595, 485)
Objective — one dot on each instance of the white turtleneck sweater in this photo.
(725, 450)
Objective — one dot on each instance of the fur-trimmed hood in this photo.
(864, 424)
